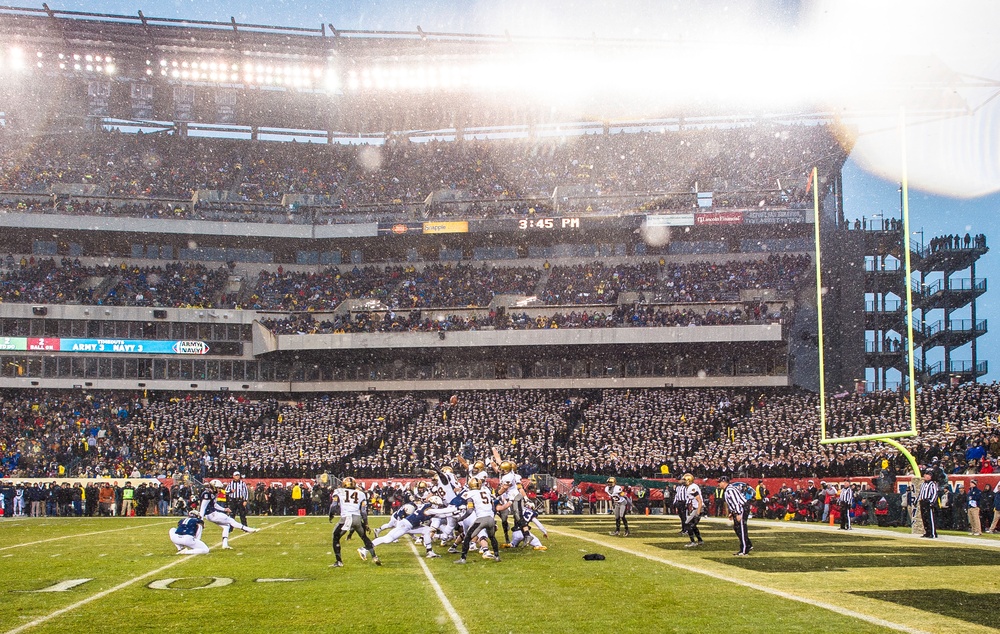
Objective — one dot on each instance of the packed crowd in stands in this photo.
(710, 432)
(399, 287)
(145, 166)
(175, 284)
(635, 315)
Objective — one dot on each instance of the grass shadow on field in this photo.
(966, 606)
(896, 558)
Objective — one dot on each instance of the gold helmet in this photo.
(506, 466)
(479, 466)
(421, 486)
(474, 483)
(348, 483)
(688, 478)
(447, 469)
(612, 481)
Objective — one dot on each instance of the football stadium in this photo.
(293, 319)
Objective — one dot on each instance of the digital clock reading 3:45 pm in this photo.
(549, 223)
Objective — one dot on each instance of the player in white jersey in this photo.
(480, 499)
(476, 470)
(619, 505)
(511, 491)
(352, 503)
(695, 508)
(213, 508)
(186, 536)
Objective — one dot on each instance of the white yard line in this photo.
(121, 586)
(746, 584)
(110, 530)
(448, 607)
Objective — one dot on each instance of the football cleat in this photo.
(489, 555)
(247, 529)
(453, 551)
(338, 564)
(541, 547)
(506, 546)
(613, 533)
(625, 534)
(432, 555)
(461, 561)
(363, 554)
(226, 547)
(376, 560)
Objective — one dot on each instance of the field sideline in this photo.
(109, 575)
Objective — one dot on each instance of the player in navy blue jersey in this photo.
(186, 536)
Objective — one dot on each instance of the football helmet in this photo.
(479, 466)
(612, 481)
(530, 505)
(215, 484)
(506, 466)
(348, 483)
(421, 486)
(409, 509)
(474, 483)
(447, 469)
(436, 500)
(688, 478)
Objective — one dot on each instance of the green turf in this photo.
(554, 591)
(966, 606)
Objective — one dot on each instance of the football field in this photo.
(121, 574)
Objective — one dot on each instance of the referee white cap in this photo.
(236, 474)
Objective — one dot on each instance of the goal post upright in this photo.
(887, 438)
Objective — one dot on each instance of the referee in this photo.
(845, 501)
(736, 502)
(681, 504)
(925, 497)
(237, 495)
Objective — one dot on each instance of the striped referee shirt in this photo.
(928, 491)
(846, 495)
(680, 494)
(735, 500)
(237, 490)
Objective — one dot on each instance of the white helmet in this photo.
(216, 483)
(436, 500)
(409, 509)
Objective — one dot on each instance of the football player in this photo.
(213, 508)
(531, 517)
(476, 470)
(416, 524)
(619, 504)
(400, 513)
(695, 507)
(352, 504)
(511, 491)
(480, 499)
(187, 535)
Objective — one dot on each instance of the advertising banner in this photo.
(446, 227)
(776, 216)
(670, 220)
(719, 218)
